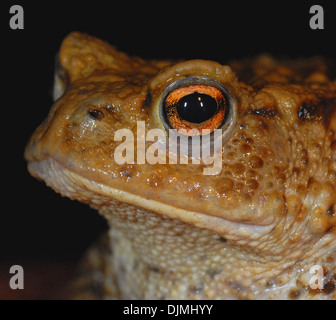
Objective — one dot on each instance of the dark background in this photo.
(40, 229)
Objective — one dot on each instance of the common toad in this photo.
(251, 228)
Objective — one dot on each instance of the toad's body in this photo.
(252, 230)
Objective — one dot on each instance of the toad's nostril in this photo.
(96, 114)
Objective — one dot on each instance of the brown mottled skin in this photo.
(253, 231)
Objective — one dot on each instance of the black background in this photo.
(35, 222)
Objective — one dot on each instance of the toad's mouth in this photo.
(76, 187)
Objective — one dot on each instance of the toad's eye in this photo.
(195, 107)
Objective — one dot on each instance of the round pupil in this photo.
(196, 107)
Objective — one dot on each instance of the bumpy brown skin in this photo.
(253, 231)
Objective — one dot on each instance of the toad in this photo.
(261, 226)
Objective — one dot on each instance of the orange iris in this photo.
(195, 108)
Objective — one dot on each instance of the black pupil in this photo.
(196, 107)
